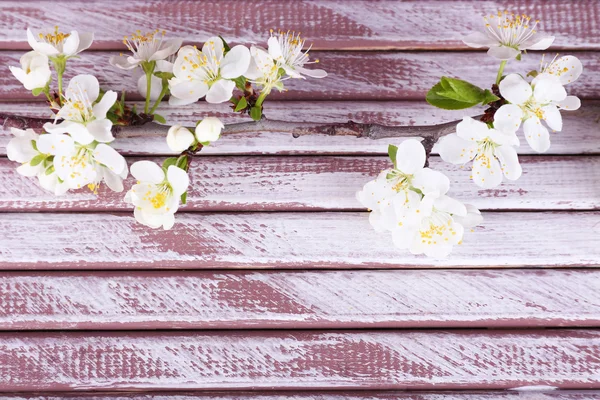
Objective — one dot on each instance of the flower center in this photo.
(291, 45)
(144, 45)
(159, 197)
(399, 180)
(80, 106)
(436, 227)
(55, 38)
(509, 29)
(206, 66)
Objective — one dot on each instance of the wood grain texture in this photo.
(292, 300)
(483, 359)
(525, 393)
(352, 75)
(336, 24)
(323, 183)
(579, 135)
(285, 240)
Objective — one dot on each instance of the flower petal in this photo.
(471, 129)
(571, 103)
(108, 156)
(209, 129)
(85, 41)
(479, 39)
(547, 90)
(42, 47)
(313, 73)
(235, 62)
(552, 117)
(515, 89)
(508, 118)
(101, 108)
(536, 134)
(167, 48)
(472, 219)
(538, 43)
(456, 150)
(220, 91)
(71, 44)
(113, 181)
(567, 69)
(503, 52)
(187, 92)
(83, 83)
(486, 171)
(147, 172)
(179, 138)
(450, 205)
(410, 156)
(122, 62)
(178, 179)
(431, 182)
(509, 162)
(100, 129)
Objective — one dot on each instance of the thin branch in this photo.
(429, 133)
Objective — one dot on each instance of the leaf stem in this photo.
(148, 89)
(500, 71)
(163, 92)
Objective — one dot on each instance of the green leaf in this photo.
(518, 57)
(225, 45)
(37, 160)
(34, 145)
(392, 151)
(241, 104)
(205, 143)
(456, 94)
(240, 83)
(184, 198)
(168, 162)
(256, 113)
(160, 119)
(37, 91)
(182, 162)
(489, 97)
(50, 170)
(533, 73)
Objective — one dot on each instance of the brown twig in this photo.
(429, 133)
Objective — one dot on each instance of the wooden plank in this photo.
(485, 359)
(292, 300)
(352, 75)
(323, 183)
(334, 24)
(285, 240)
(526, 393)
(579, 136)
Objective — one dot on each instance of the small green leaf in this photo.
(160, 119)
(518, 57)
(225, 45)
(205, 143)
(34, 145)
(392, 151)
(533, 73)
(241, 105)
(37, 91)
(50, 170)
(456, 94)
(168, 162)
(240, 83)
(489, 97)
(37, 160)
(182, 162)
(256, 113)
(184, 198)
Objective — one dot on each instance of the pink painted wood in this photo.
(323, 183)
(579, 134)
(284, 241)
(352, 75)
(292, 300)
(483, 359)
(330, 24)
(525, 393)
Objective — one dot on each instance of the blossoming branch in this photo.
(408, 200)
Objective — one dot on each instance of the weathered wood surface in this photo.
(291, 300)
(579, 135)
(323, 183)
(335, 24)
(285, 240)
(352, 75)
(485, 359)
(525, 393)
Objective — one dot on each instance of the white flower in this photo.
(179, 138)
(83, 120)
(78, 165)
(566, 69)
(23, 148)
(146, 48)
(156, 85)
(263, 70)
(57, 44)
(492, 151)
(531, 103)
(506, 35)
(286, 50)
(34, 72)
(207, 72)
(209, 129)
(156, 195)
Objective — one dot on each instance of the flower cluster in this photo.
(74, 150)
(411, 202)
